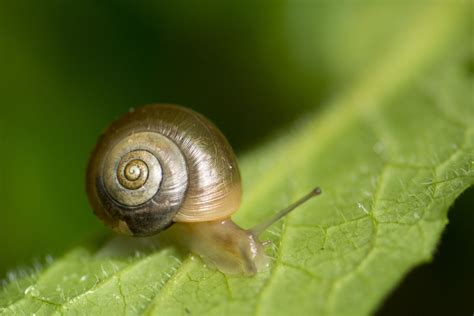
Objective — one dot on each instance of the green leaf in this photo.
(392, 153)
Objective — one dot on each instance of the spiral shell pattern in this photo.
(160, 164)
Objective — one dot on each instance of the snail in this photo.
(160, 165)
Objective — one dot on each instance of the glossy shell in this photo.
(161, 164)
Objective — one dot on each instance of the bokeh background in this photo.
(68, 68)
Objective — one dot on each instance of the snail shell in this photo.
(162, 164)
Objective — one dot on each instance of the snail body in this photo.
(165, 164)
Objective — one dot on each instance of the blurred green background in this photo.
(68, 68)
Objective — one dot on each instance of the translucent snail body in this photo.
(165, 164)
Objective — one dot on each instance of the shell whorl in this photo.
(160, 164)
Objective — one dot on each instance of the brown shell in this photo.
(198, 175)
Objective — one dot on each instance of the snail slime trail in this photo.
(165, 164)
